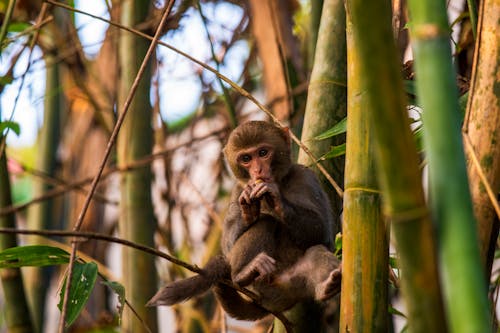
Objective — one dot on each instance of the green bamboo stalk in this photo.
(481, 128)
(315, 18)
(397, 164)
(463, 279)
(40, 216)
(326, 105)
(137, 221)
(327, 96)
(365, 250)
(17, 314)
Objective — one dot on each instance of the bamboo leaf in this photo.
(338, 128)
(335, 151)
(18, 26)
(33, 255)
(10, 124)
(82, 284)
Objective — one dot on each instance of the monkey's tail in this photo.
(179, 291)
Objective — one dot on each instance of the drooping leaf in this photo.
(119, 289)
(82, 284)
(337, 129)
(33, 255)
(395, 311)
(11, 125)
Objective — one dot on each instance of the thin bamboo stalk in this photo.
(326, 105)
(365, 250)
(136, 221)
(17, 314)
(327, 96)
(465, 291)
(397, 165)
(40, 216)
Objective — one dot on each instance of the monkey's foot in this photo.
(260, 268)
(331, 286)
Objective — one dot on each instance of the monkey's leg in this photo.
(316, 274)
(252, 255)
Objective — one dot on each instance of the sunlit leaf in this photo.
(18, 26)
(33, 255)
(338, 245)
(82, 284)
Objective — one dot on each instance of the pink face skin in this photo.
(258, 163)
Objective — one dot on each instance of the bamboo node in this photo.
(429, 31)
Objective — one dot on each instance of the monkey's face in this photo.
(257, 161)
(258, 150)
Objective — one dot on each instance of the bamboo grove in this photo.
(394, 105)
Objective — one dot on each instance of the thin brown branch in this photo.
(482, 176)
(131, 166)
(235, 86)
(59, 182)
(86, 235)
(109, 147)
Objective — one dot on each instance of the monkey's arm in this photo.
(306, 209)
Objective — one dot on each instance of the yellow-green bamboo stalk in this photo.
(137, 222)
(481, 129)
(465, 291)
(397, 164)
(365, 251)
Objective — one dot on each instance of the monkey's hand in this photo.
(250, 208)
(259, 269)
(270, 191)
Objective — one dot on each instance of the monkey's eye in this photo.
(263, 152)
(245, 158)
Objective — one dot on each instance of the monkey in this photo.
(276, 238)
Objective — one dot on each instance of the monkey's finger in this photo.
(259, 190)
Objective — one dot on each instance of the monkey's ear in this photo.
(286, 135)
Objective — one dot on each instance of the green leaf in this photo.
(11, 125)
(119, 289)
(33, 255)
(338, 128)
(334, 152)
(396, 312)
(338, 245)
(18, 26)
(393, 262)
(82, 284)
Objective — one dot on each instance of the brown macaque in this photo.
(277, 236)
